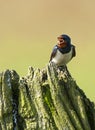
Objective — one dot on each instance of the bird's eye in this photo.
(64, 38)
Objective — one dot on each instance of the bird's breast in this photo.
(61, 59)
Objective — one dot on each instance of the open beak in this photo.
(61, 43)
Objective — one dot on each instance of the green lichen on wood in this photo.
(6, 122)
(47, 99)
(65, 107)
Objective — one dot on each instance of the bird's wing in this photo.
(53, 53)
(74, 51)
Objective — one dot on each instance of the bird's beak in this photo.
(61, 43)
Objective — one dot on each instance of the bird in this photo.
(63, 51)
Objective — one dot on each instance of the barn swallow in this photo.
(63, 52)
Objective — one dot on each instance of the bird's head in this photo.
(63, 41)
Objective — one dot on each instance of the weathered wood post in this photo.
(47, 99)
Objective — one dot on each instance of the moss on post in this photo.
(6, 122)
(47, 99)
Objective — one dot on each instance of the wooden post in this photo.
(47, 99)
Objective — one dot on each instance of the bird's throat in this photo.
(62, 45)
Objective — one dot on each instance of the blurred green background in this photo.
(28, 31)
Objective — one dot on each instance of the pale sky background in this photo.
(28, 31)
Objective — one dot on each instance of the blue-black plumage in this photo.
(63, 52)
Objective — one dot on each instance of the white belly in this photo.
(61, 59)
